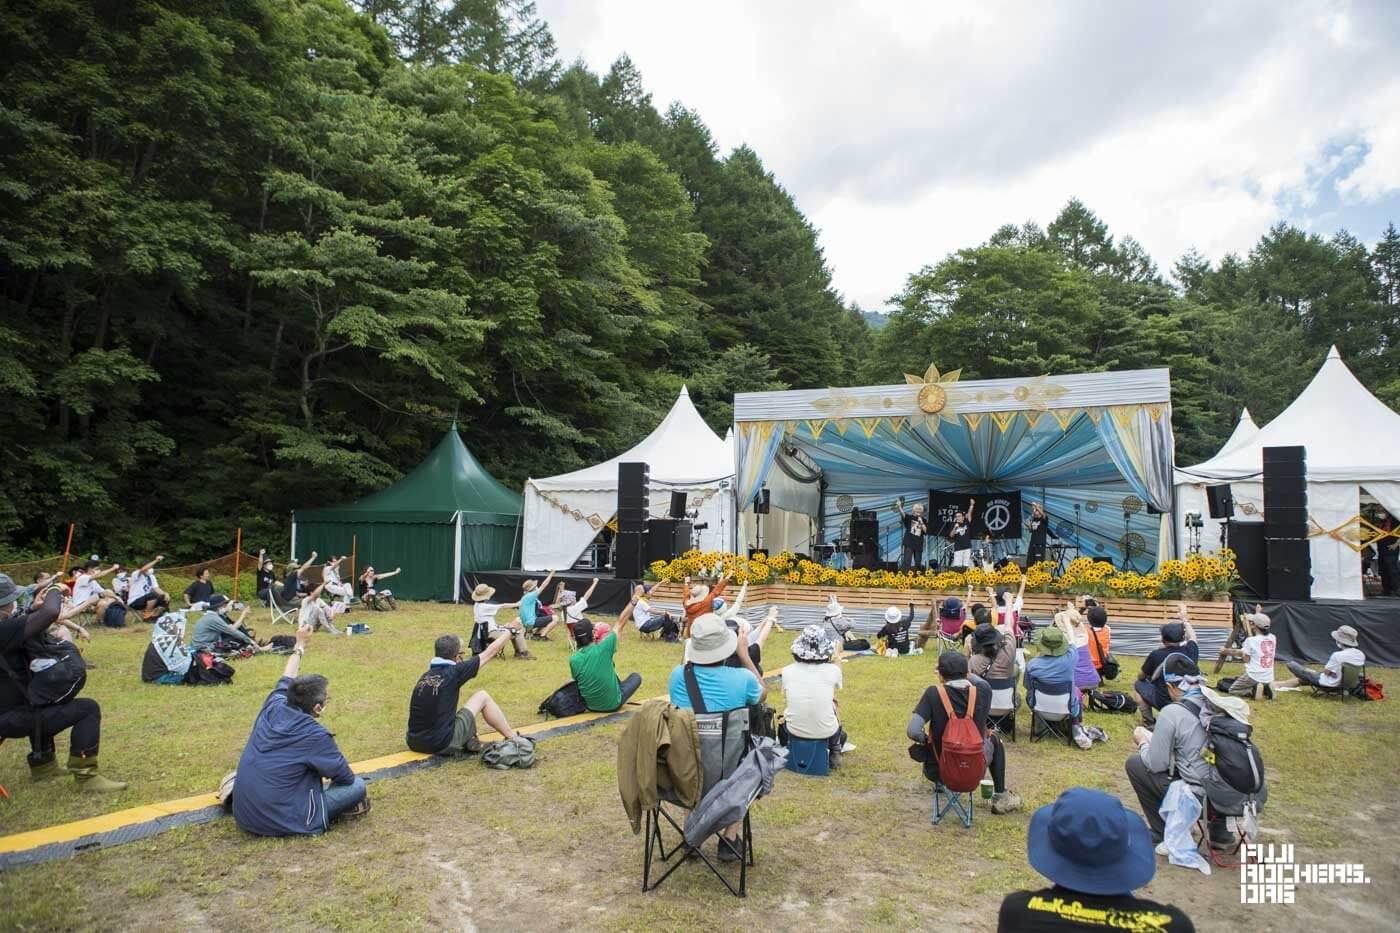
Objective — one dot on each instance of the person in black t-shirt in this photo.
(930, 714)
(435, 725)
(202, 588)
(961, 535)
(1039, 525)
(1097, 852)
(267, 577)
(896, 630)
(1177, 638)
(911, 556)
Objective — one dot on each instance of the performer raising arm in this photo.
(962, 536)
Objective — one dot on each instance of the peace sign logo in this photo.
(997, 516)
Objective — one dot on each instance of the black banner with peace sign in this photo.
(997, 514)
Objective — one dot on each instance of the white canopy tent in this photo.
(563, 514)
(1191, 493)
(1352, 440)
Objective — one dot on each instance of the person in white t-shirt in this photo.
(575, 607)
(809, 686)
(484, 616)
(1257, 652)
(143, 591)
(86, 583)
(1331, 675)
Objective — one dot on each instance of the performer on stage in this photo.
(1040, 527)
(961, 534)
(911, 557)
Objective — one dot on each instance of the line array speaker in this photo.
(1289, 552)
(633, 497)
(629, 555)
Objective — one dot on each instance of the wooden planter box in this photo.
(1148, 611)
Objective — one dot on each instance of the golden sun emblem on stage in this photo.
(932, 397)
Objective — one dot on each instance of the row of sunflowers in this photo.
(1201, 576)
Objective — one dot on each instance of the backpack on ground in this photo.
(1370, 689)
(1111, 701)
(1229, 748)
(114, 616)
(566, 701)
(207, 671)
(855, 644)
(963, 759)
(518, 752)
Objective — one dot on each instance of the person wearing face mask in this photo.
(278, 788)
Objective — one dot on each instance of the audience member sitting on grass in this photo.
(896, 629)
(23, 635)
(809, 687)
(1008, 610)
(1331, 674)
(167, 659)
(278, 790)
(199, 591)
(648, 620)
(1174, 749)
(722, 688)
(371, 595)
(435, 724)
(485, 626)
(1177, 638)
(1097, 853)
(750, 653)
(592, 668)
(1257, 652)
(699, 600)
(315, 613)
(573, 608)
(85, 583)
(930, 719)
(537, 623)
(835, 624)
(143, 590)
(215, 634)
(1053, 670)
(330, 579)
(946, 615)
(266, 577)
(121, 582)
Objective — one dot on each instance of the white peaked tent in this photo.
(1352, 441)
(1191, 493)
(563, 514)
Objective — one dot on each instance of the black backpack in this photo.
(1111, 701)
(114, 616)
(566, 701)
(1236, 757)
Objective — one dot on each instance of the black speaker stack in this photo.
(865, 540)
(633, 512)
(667, 538)
(1289, 553)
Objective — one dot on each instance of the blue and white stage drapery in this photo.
(1112, 459)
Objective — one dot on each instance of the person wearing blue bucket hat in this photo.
(1097, 853)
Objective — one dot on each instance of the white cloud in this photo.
(908, 130)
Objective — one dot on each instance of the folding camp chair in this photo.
(946, 801)
(1224, 856)
(724, 739)
(1002, 713)
(1349, 687)
(281, 612)
(1050, 711)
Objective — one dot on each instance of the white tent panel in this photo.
(1191, 494)
(1336, 568)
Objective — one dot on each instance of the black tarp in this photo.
(611, 596)
(1304, 629)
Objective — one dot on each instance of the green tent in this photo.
(447, 516)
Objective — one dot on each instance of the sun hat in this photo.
(833, 608)
(892, 615)
(951, 608)
(710, 640)
(813, 645)
(483, 591)
(8, 591)
(1232, 706)
(1346, 635)
(529, 586)
(1053, 643)
(985, 636)
(1173, 632)
(1259, 619)
(1089, 842)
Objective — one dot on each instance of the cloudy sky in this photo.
(907, 130)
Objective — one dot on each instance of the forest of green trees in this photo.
(258, 254)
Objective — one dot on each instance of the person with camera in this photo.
(215, 634)
(278, 788)
(29, 707)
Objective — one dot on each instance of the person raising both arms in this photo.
(699, 600)
(961, 535)
(371, 595)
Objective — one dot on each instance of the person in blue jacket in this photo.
(278, 790)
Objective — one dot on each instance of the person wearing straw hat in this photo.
(1096, 853)
(537, 625)
(485, 627)
(1174, 750)
(1258, 651)
(1331, 674)
(809, 686)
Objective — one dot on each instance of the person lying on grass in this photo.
(436, 726)
(278, 789)
(594, 670)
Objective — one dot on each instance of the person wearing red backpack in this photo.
(933, 714)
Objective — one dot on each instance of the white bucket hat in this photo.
(892, 614)
(1232, 706)
(711, 640)
(1346, 636)
(833, 608)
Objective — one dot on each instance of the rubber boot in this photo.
(46, 770)
(88, 780)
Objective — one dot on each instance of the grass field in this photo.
(463, 847)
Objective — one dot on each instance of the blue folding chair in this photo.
(811, 757)
(946, 801)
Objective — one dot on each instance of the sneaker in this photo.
(527, 656)
(1161, 848)
(833, 759)
(1005, 802)
(848, 747)
(730, 850)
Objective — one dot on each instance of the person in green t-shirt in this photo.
(593, 670)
